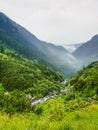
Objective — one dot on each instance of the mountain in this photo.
(25, 43)
(88, 52)
(72, 47)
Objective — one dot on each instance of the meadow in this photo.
(80, 119)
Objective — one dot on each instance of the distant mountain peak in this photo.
(88, 52)
(95, 37)
(3, 16)
(72, 47)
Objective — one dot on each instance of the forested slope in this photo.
(22, 74)
(85, 81)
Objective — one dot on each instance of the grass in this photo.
(83, 119)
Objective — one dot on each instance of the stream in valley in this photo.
(36, 101)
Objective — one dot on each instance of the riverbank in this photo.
(41, 100)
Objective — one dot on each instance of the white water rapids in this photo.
(35, 102)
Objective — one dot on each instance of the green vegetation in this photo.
(24, 43)
(85, 119)
(24, 78)
(85, 82)
(14, 102)
(21, 80)
(27, 76)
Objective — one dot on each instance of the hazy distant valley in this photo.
(72, 47)
(63, 80)
(65, 59)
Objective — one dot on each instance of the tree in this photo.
(1, 49)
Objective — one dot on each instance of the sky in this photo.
(56, 21)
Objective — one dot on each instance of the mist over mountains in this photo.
(22, 41)
(59, 58)
(72, 47)
(87, 52)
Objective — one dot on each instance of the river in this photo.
(35, 102)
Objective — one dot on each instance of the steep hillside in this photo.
(20, 74)
(88, 52)
(85, 82)
(23, 42)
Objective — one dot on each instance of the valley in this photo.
(44, 86)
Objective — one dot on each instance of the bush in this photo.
(14, 102)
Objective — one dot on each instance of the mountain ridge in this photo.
(25, 43)
(88, 52)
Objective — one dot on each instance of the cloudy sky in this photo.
(56, 21)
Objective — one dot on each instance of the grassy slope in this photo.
(85, 119)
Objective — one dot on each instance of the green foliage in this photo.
(85, 119)
(1, 49)
(12, 102)
(25, 75)
(38, 109)
(23, 46)
(20, 77)
(1, 87)
(86, 81)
